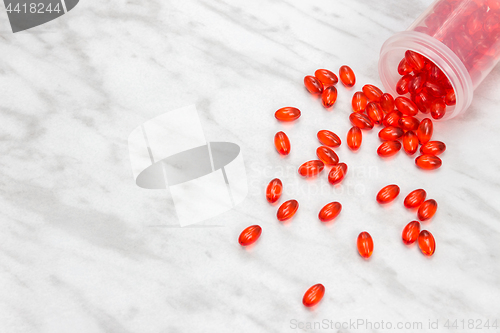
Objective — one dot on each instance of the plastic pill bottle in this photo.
(462, 37)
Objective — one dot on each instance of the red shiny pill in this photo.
(390, 133)
(415, 198)
(287, 210)
(311, 168)
(392, 118)
(408, 123)
(313, 85)
(424, 131)
(387, 102)
(450, 98)
(438, 108)
(403, 84)
(414, 60)
(329, 211)
(404, 68)
(372, 92)
(427, 209)
(434, 89)
(337, 173)
(361, 121)
(326, 77)
(250, 235)
(287, 114)
(282, 143)
(274, 190)
(411, 232)
(328, 138)
(327, 155)
(433, 148)
(365, 245)
(359, 101)
(388, 148)
(428, 162)
(417, 83)
(387, 194)
(410, 142)
(329, 97)
(354, 138)
(347, 76)
(406, 106)
(375, 113)
(313, 295)
(426, 243)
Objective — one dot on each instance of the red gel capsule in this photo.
(354, 138)
(387, 194)
(287, 114)
(427, 210)
(422, 101)
(403, 84)
(390, 133)
(424, 131)
(428, 162)
(415, 60)
(375, 113)
(361, 121)
(329, 211)
(359, 101)
(415, 198)
(433, 148)
(406, 106)
(282, 143)
(450, 98)
(287, 210)
(313, 85)
(327, 155)
(372, 92)
(337, 173)
(387, 102)
(408, 123)
(311, 168)
(313, 295)
(347, 76)
(365, 245)
(434, 89)
(410, 142)
(329, 97)
(403, 67)
(250, 235)
(417, 83)
(274, 190)
(411, 232)
(392, 118)
(426, 243)
(388, 148)
(326, 77)
(328, 138)
(438, 109)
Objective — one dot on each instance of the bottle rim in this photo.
(444, 58)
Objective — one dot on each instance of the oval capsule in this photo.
(313, 295)
(250, 235)
(390, 133)
(354, 138)
(387, 102)
(347, 76)
(329, 211)
(411, 232)
(388, 148)
(417, 83)
(415, 60)
(365, 245)
(428, 162)
(433, 148)
(372, 92)
(410, 142)
(450, 98)
(337, 173)
(426, 243)
(392, 119)
(434, 89)
(313, 85)
(328, 138)
(415, 198)
(287, 114)
(282, 143)
(375, 113)
(406, 106)
(359, 102)
(438, 109)
(287, 210)
(361, 121)
(326, 77)
(427, 210)
(403, 84)
(408, 123)
(329, 97)
(274, 190)
(404, 68)
(311, 168)
(387, 194)
(424, 131)
(327, 155)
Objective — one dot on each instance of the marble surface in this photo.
(83, 249)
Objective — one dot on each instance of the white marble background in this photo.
(82, 249)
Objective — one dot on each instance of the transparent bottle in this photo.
(461, 37)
